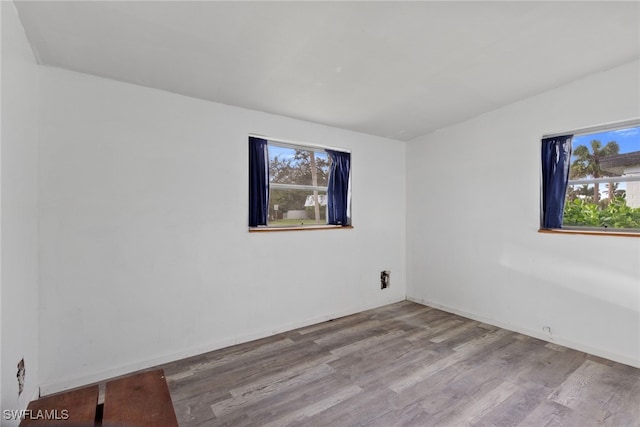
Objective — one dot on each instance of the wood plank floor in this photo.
(402, 365)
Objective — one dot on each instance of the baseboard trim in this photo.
(83, 380)
(529, 332)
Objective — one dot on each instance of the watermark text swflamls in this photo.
(40, 414)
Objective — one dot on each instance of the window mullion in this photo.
(629, 178)
(279, 186)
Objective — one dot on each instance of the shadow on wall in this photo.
(607, 284)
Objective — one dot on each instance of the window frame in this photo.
(294, 145)
(587, 230)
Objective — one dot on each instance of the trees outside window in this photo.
(586, 163)
(592, 164)
(301, 177)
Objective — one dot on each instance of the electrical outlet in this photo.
(385, 277)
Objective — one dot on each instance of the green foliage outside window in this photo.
(584, 206)
(616, 214)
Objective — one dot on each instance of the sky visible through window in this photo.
(280, 152)
(628, 139)
(281, 158)
(287, 153)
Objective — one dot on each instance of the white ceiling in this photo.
(394, 69)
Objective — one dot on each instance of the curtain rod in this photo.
(299, 144)
(597, 128)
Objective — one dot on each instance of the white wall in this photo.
(145, 253)
(473, 214)
(19, 233)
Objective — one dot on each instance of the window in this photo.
(298, 179)
(300, 185)
(591, 179)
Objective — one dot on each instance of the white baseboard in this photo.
(532, 333)
(82, 380)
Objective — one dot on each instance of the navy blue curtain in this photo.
(258, 182)
(338, 189)
(556, 159)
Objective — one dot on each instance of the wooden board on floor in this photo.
(76, 407)
(140, 400)
(402, 365)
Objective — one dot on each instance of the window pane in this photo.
(298, 166)
(297, 207)
(607, 204)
